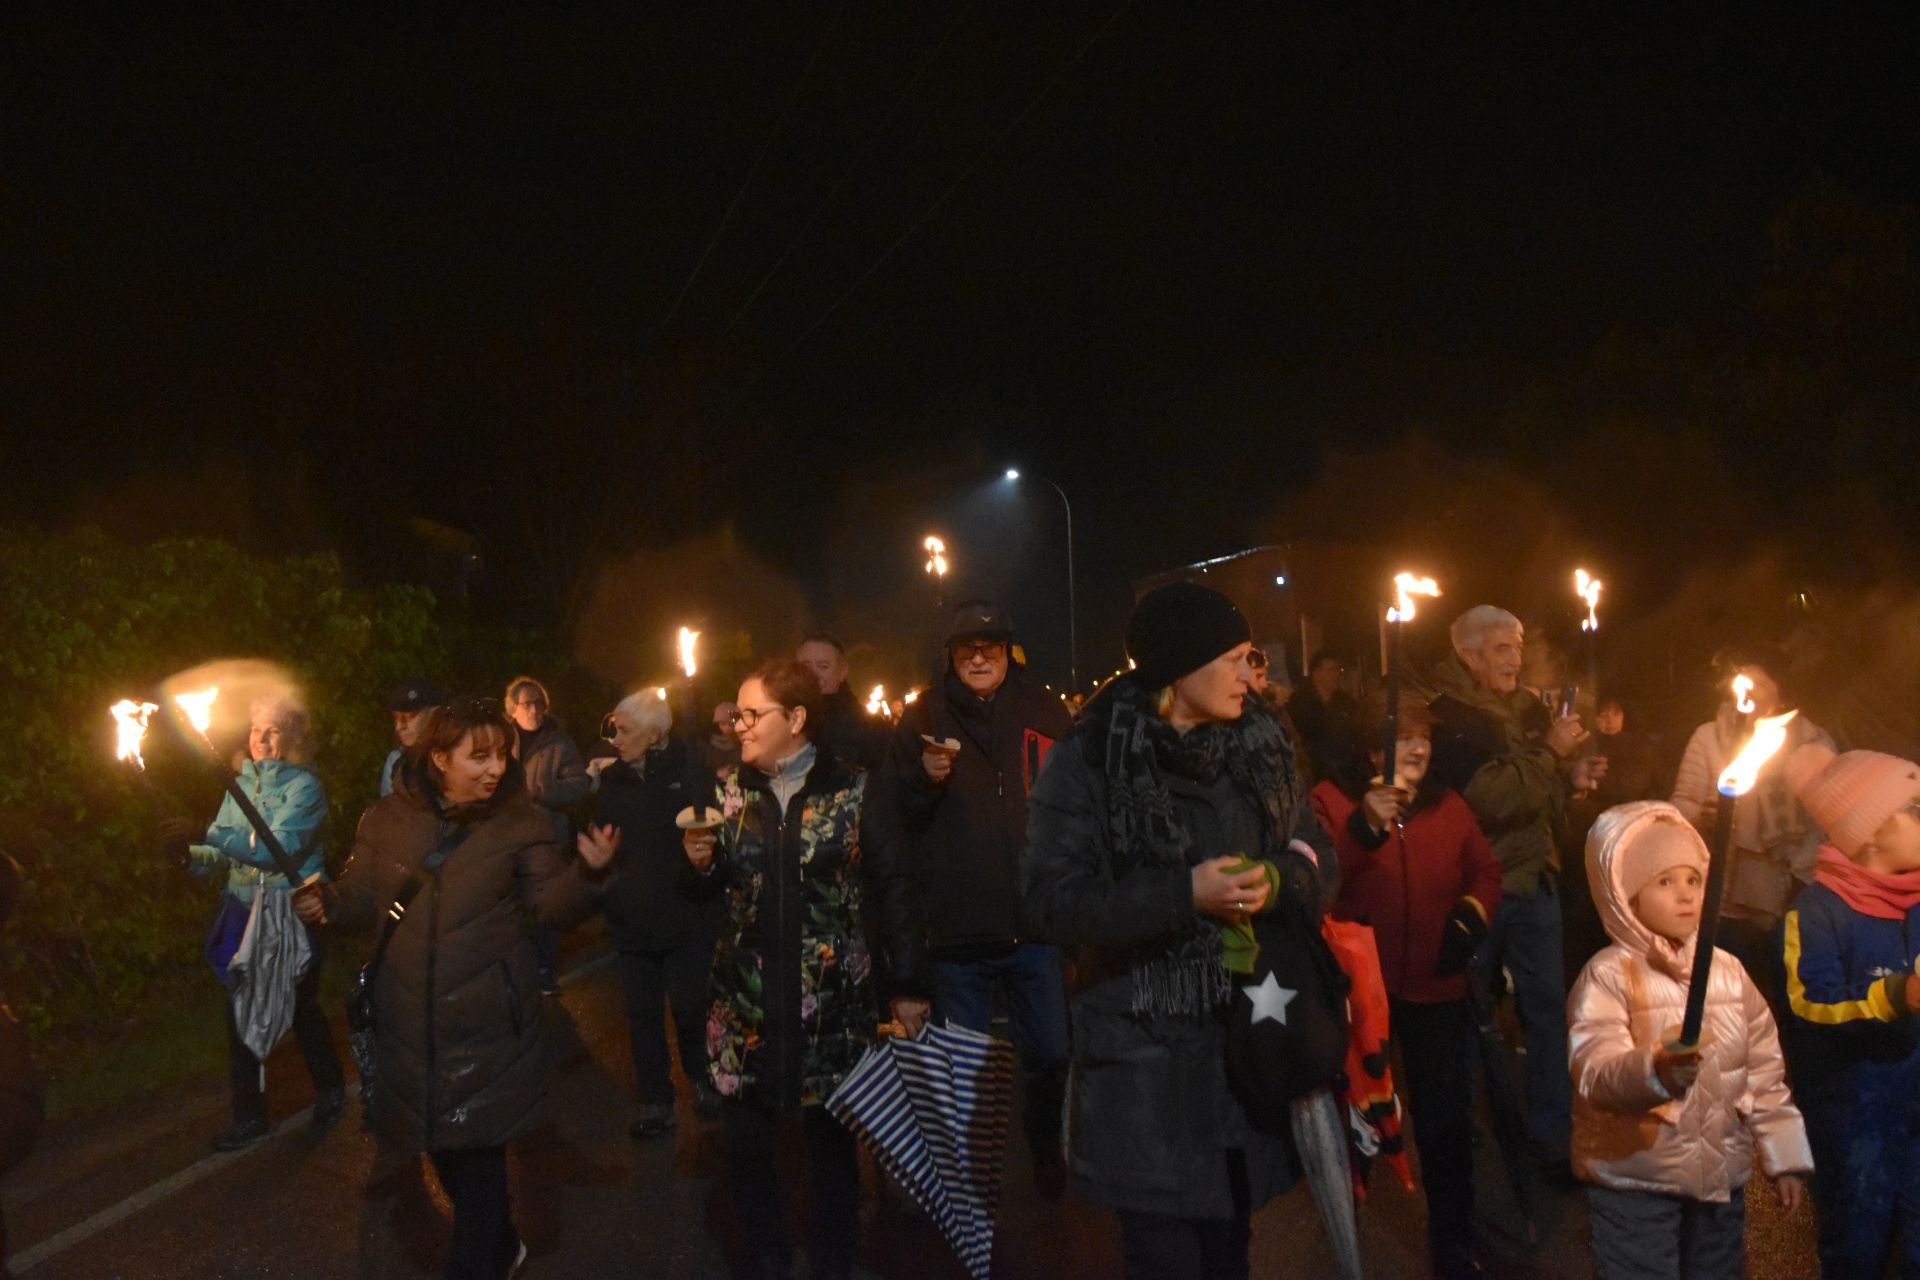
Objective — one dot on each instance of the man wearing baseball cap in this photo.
(409, 702)
(965, 757)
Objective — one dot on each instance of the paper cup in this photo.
(949, 746)
(705, 820)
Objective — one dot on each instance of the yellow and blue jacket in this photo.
(1847, 1025)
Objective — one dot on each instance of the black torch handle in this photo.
(1393, 702)
(1709, 923)
(261, 829)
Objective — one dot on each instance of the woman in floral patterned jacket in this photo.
(808, 858)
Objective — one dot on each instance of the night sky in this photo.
(577, 285)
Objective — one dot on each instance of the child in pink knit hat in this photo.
(1848, 947)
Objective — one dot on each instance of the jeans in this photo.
(1037, 999)
(1638, 1235)
(484, 1242)
(751, 1136)
(1159, 1247)
(1525, 941)
(310, 1030)
(653, 980)
(1866, 1178)
(1436, 1051)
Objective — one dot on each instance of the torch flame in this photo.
(877, 701)
(198, 706)
(1743, 694)
(1587, 587)
(913, 696)
(1405, 588)
(1769, 735)
(936, 556)
(131, 718)
(689, 652)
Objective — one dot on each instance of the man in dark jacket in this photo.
(556, 780)
(21, 1110)
(846, 729)
(1326, 715)
(1494, 743)
(964, 758)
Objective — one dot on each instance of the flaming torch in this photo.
(877, 701)
(1738, 778)
(1405, 588)
(1587, 587)
(937, 566)
(130, 720)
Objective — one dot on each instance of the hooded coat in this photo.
(1153, 1114)
(461, 1036)
(1629, 1133)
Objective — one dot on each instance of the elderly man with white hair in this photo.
(1496, 744)
(664, 939)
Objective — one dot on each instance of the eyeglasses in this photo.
(1257, 659)
(984, 649)
(608, 729)
(747, 717)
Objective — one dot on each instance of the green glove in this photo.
(1237, 946)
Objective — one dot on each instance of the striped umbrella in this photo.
(935, 1108)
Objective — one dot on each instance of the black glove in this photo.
(176, 836)
(1460, 937)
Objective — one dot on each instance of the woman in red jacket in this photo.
(1415, 866)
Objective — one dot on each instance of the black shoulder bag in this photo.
(360, 1028)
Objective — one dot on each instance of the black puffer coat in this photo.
(647, 907)
(1153, 1117)
(460, 1023)
(967, 834)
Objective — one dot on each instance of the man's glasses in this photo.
(747, 717)
(1257, 659)
(985, 649)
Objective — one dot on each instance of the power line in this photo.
(885, 121)
(931, 209)
(766, 146)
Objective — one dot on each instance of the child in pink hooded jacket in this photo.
(1666, 1140)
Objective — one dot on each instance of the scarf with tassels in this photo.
(1188, 974)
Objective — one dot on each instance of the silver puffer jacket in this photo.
(1628, 1132)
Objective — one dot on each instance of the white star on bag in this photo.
(1270, 1000)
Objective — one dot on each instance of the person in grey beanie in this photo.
(1175, 777)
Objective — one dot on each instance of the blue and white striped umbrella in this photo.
(935, 1110)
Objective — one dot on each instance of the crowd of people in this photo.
(789, 878)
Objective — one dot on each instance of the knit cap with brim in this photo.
(1180, 628)
(1852, 795)
(1653, 850)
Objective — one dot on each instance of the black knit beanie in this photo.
(1180, 628)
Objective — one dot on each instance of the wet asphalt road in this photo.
(591, 1202)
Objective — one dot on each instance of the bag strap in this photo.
(414, 883)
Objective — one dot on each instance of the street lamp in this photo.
(1073, 622)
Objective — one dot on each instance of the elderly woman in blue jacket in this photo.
(288, 794)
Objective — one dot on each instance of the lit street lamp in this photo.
(1073, 622)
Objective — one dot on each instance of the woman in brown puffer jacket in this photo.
(458, 1025)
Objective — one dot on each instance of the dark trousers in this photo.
(1436, 1051)
(1638, 1235)
(752, 1137)
(484, 1242)
(1036, 992)
(1525, 941)
(654, 980)
(316, 1046)
(1160, 1247)
(1866, 1179)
